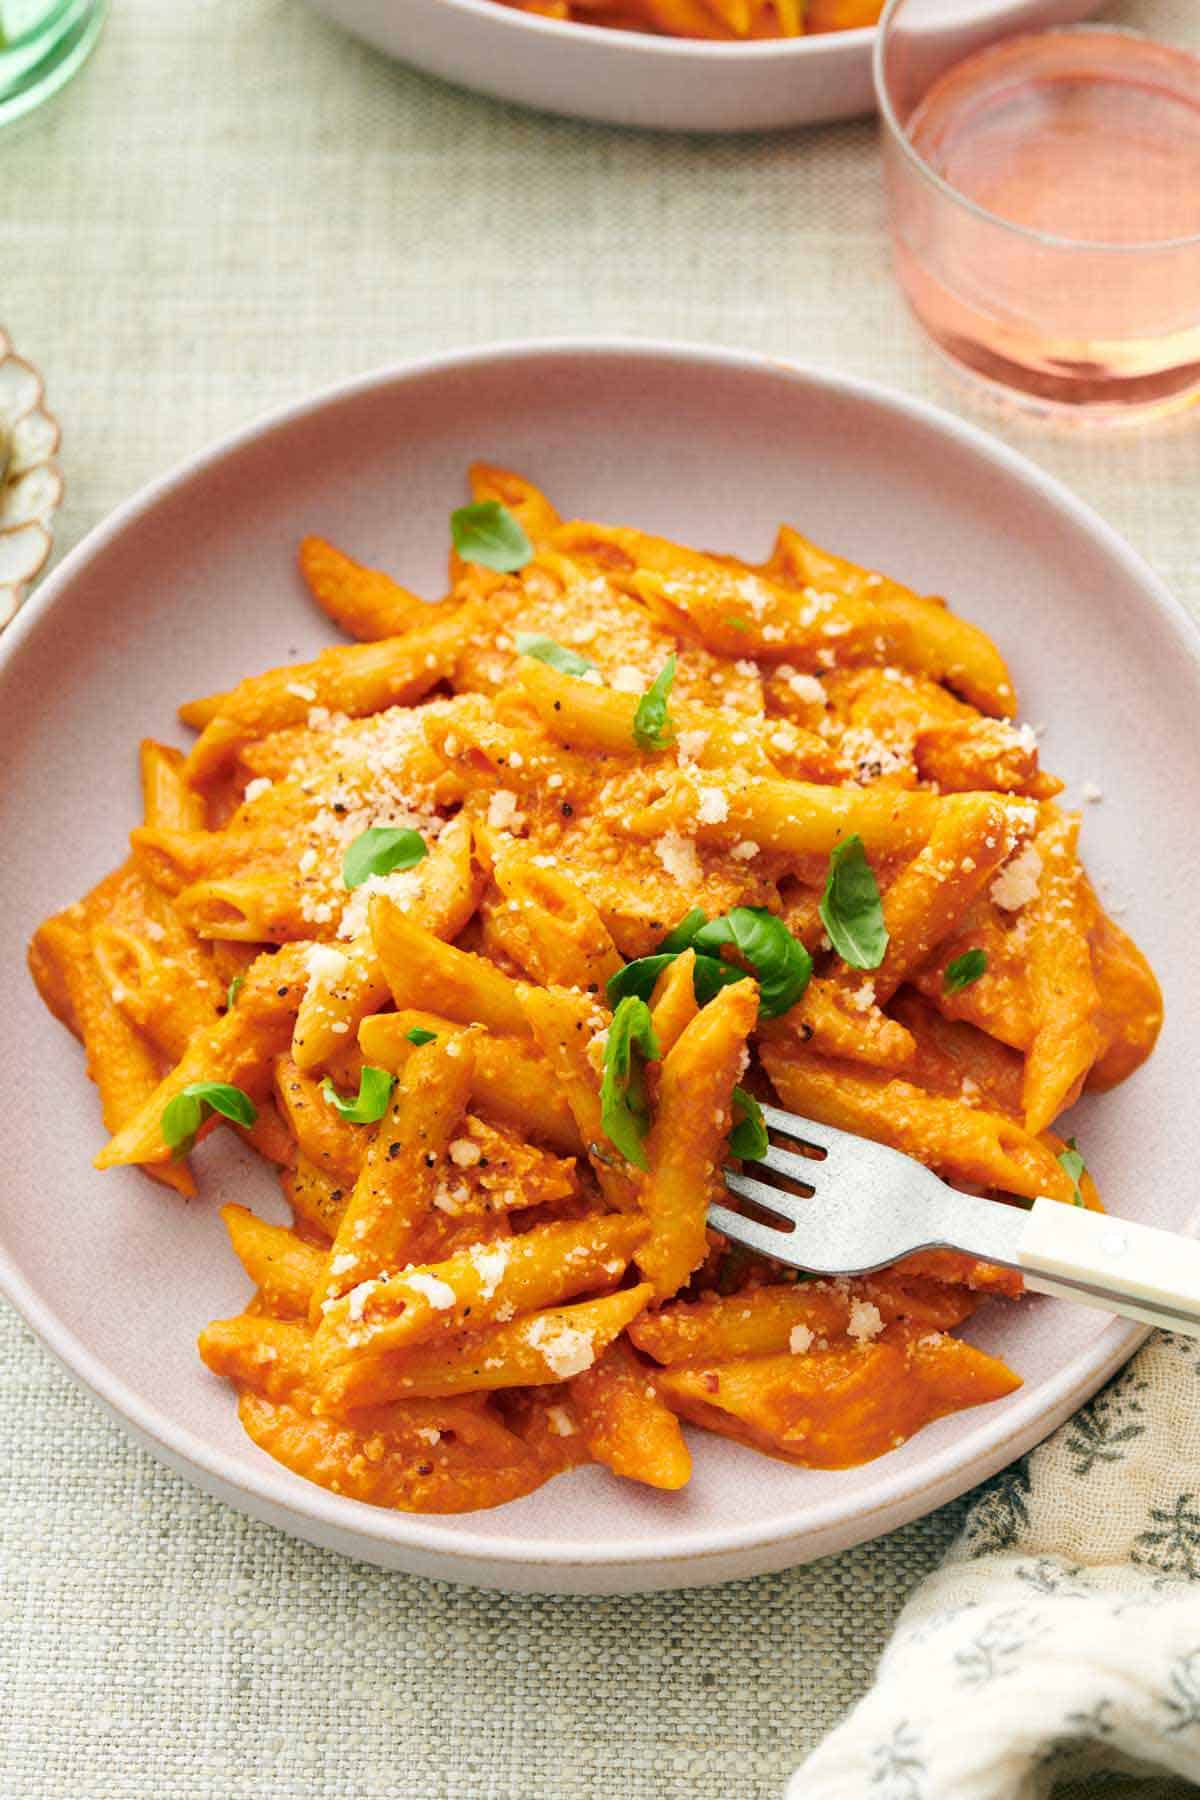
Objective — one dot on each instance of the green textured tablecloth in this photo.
(233, 206)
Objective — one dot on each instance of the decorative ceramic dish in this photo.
(31, 483)
(633, 78)
(706, 446)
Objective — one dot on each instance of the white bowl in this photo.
(194, 583)
(634, 78)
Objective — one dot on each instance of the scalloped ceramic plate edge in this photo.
(26, 521)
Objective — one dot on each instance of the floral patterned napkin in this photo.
(1058, 1647)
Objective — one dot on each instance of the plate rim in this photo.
(946, 1473)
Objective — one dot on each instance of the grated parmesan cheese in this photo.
(490, 1262)
(713, 807)
(690, 745)
(439, 1294)
(403, 887)
(800, 1339)
(325, 964)
(865, 1321)
(262, 784)
(358, 1298)
(502, 810)
(1017, 883)
(451, 1200)
(678, 857)
(565, 1350)
(807, 688)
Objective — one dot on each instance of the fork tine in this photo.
(771, 1199)
(823, 1137)
(746, 1231)
(787, 1162)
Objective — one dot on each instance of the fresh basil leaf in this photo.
(382, 850)
(568, 662)
(374, 1091)
(624, 1106)
(1075, 1167)
(487, 533)
(779, 961)
(962, 970)
(684, 934)
(711, 974)
(183, 1116)
(232, 992)
(418, 1035)
(638, 978)
(652, 727)
(748, 1139)
(851, 910)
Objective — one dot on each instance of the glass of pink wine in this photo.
(1044, 193)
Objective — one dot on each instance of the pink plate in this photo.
(193, 583)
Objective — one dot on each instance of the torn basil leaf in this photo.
(851, 909)
(486, 532)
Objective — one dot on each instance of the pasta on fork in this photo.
(491, 928)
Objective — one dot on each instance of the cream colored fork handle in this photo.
(1135, 1270)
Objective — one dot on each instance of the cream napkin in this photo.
(1059, 1643)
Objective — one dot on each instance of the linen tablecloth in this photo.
(233, 205)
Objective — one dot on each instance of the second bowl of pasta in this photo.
(666, 65)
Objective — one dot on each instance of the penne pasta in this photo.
(550, 928)
(354, 679)
(168, 803)
(281, 1265)
(959, 1141)
(358, 1345)
(490, 932)
(422, 971)
(544, 1347)
(405, 1166)
(1065, 1001)
(510, 1082)
(625, 1423)
(832, 1408)
(686, 1145)
(240, 1048)
(364, 602)
(734, 20)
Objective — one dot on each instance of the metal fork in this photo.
(866, 1205)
